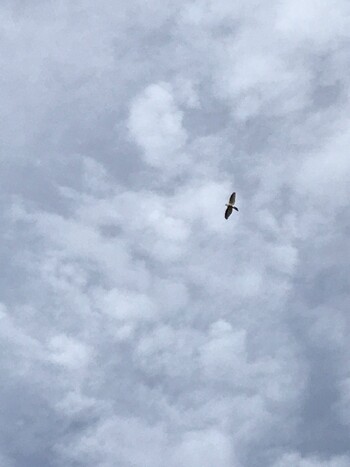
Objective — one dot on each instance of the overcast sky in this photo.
(138, 327)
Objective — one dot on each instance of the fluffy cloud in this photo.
(155, 123)
(138, 326)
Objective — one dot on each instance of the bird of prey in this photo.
(230, 206)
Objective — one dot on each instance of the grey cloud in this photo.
(137, 326)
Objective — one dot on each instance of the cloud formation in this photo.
(137, 326)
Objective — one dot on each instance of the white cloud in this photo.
(19, 343)
(125, 306)
(68, 353)
(291, 460)
(205, 449)
(147, 328)
(118, 440)
(314, 24)
(324, 175)
(155, 122)
(224, 356)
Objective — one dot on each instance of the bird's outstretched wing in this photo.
(228, 212)
(232, 198)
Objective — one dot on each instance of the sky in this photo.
(138, 327)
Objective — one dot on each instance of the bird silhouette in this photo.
(230, 206)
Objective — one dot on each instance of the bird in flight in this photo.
(230, 206)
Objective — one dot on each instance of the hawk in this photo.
(230, 206)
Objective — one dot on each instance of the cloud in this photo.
(312, 461)
(138, 326)
(68, 353)
(155, 123)
(205, 449)
(306, 23)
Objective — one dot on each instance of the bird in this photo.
(230, 206)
